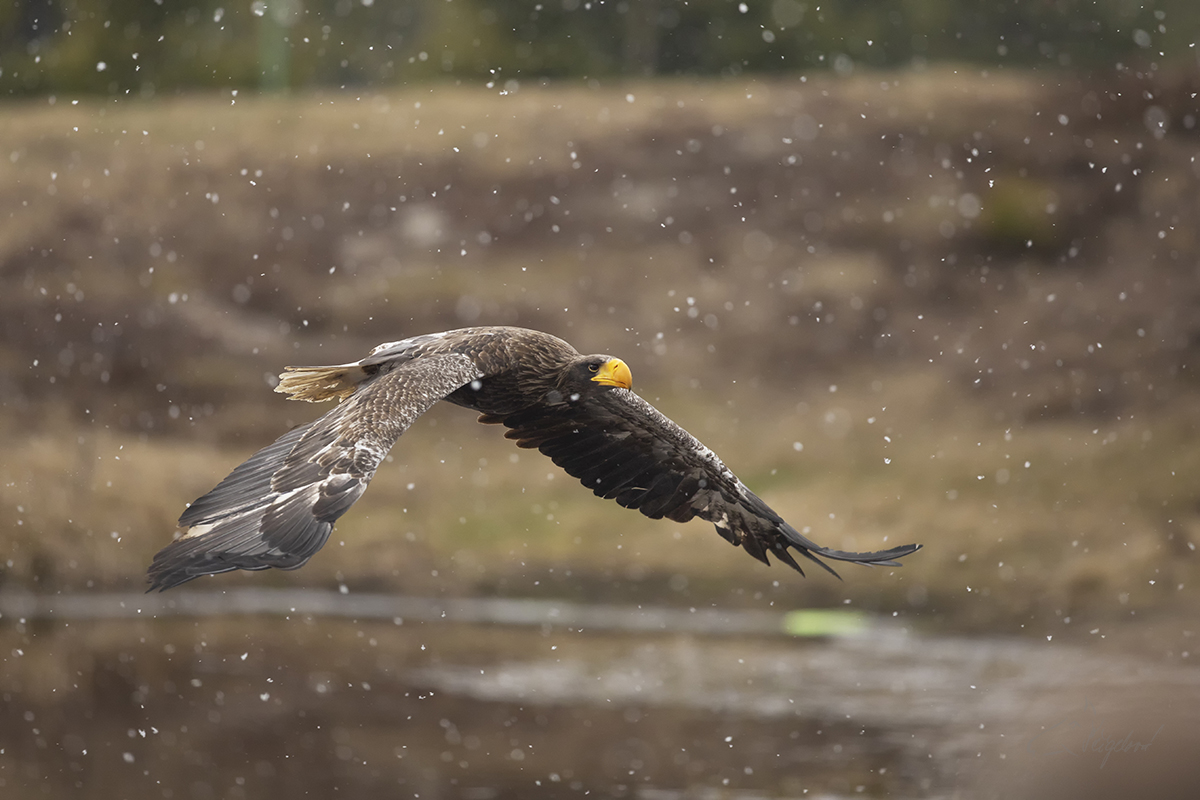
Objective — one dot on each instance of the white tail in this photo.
(317, 384)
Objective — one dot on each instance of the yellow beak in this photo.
(614, 372)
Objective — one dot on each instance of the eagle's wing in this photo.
(624, 449)
(276, 509)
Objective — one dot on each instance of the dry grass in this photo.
(162, 261)
(1093, 528)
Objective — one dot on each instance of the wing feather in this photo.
(246, 484)
(624, 449)
(277, 508)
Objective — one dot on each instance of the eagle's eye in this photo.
(593, 367)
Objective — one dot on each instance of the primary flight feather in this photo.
(277, 508)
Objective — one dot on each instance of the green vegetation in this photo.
(129, 47)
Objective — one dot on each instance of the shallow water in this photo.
(120, 697)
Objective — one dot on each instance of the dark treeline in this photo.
(146, 47)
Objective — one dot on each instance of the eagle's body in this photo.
(277, 509)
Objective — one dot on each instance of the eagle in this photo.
(278, 508)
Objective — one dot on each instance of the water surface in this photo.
(327, 695)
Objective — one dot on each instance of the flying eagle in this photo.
(277, 509)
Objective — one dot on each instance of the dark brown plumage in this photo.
(277, 509)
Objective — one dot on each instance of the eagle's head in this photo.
(590, 374)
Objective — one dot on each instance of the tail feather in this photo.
(317, 384)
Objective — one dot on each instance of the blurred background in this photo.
(922, 270)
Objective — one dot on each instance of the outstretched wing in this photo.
(624, 449)
(276, 509)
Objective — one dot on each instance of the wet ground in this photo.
(186, 700)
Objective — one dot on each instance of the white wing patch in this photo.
(197, 530)
(405, 344)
